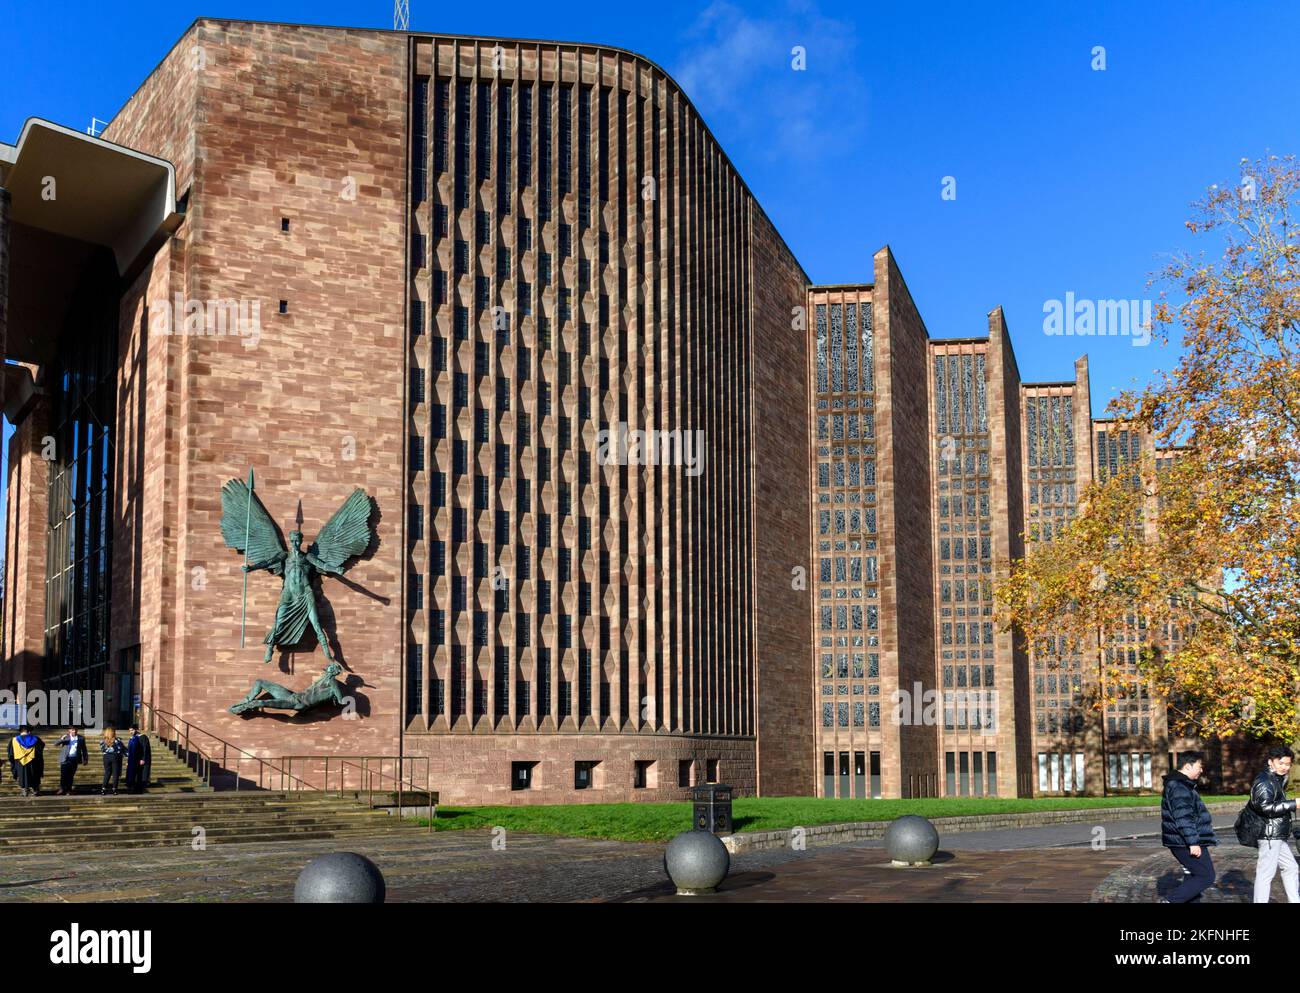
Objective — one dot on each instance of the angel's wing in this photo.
(347, 533)
(239, 511)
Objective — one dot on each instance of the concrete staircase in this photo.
(177, 804)
(169, 774)
(95, 823)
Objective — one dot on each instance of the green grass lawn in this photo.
(660, 821)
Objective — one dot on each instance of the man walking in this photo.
(1187, 830)
(72, 752)
(1268, 800)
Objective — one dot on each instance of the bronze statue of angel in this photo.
(247, 527)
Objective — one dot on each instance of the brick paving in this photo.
(1147, 879)
(1051, 864)
(449, 866)
(862, 874)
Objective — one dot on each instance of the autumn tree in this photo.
(1201, 539)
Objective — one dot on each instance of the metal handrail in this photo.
(403, 780)
(282, 766)
(203, 762)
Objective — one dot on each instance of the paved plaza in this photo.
(1050, 864)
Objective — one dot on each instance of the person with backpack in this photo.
(1187, 830)
(1272, 827)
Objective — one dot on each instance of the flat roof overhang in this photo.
(72, 197)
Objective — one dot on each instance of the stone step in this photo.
(164, 841)
(184, 826)
(126, 807)
(74, 824)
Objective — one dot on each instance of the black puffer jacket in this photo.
(1268, 800)
(1184, 819)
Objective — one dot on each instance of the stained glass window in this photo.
(864, 317)
(837, 350)
(851, 347)
(940, 408)
(823, 379)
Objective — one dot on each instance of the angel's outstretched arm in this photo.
(270, 563)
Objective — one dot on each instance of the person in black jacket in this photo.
(72, 752)
(1187, 830)
(1268, 800)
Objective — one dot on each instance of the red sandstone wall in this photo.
(307, 124)
(26, 512)
(903, 488)
(267, 122)
(782, 489)
(1015, 719)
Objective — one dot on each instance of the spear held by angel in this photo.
(247, 527)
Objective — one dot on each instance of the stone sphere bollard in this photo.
(696, 862)
(911, 840)
(339, 877)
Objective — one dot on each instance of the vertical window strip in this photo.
(525, 135)
(441, 94)
(968, 392)
(823, 378)
(1044, 432)
(483, 143)
(868, 348)
(505, 93)
(940, 393)
(954, 416)
(837, 350)
(566, 139)
(462, 143)
(1067, 420)
(544, 154)
(419, 140)
(851, 347)
(1058, 448)
(1031, 430)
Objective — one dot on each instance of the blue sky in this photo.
(1068, 179)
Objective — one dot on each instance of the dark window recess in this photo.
(419, 141)
(521, 774)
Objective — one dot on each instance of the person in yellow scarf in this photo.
(27, 761)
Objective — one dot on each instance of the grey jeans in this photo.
(1272, 855)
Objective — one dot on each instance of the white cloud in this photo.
(735, 66)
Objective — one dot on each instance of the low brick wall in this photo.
(840, 834)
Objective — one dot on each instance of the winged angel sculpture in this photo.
(248, 528)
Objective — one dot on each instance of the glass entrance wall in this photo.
(82, 381)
